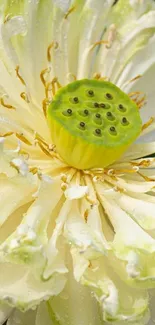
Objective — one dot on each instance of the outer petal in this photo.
(131, 243)
(111, 293)
(5, 312)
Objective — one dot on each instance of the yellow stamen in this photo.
(64, 178)
(51, 86)
(38, 137)
(23, 152)
(45, 147)
(21, 137)
(132, 80)
(8, 134)
(24, 96)
(42, 75)
(148, 123)
(143, 163)
(14, 166)
(64, 186)
(91, 196)
(6, 105)
(34, 170)
(48, 88)
(147, 179)
(72, 172)
(120, 171)
(47, 153)
(86, 213)
(19, 76)
(97, 76)
(53, 44)
(45, 104)
(71, 75)
(69, 12)
(134, 94)
(98, 43)
(135, 78)
(119, 189)
(7, 18)
(141, 102)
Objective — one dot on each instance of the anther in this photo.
(109, 96)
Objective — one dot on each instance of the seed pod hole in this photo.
(109, 96)
(125, 121)
(90, 93)
(121, 108)
(110, 116)
(96, 105)
(75, 100)
(86, 112)
(112, 130)
(98, 132)
(68, 112)
(102, 105)
(82, 125)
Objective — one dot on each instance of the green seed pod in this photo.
(92, 123)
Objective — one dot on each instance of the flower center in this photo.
(92, 123)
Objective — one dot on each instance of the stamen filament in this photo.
(19, 76)
(53, 44)
(69, 12)
(148, 123)
(7, 105)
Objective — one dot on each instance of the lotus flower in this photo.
(77, 175)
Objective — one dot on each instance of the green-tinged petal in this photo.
(24, 236)
(23, 290)
(75, 305)
(118, 302)
(131, 243)
(87, 236)
(127, 37)
(19, 318)
(77, 246)
(5, 312)
(146, 85)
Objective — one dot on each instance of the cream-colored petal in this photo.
(76, 192)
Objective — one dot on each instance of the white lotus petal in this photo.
(76, 192)
(5, 312)
(63, 4)
(91, 230)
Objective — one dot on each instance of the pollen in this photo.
(92, 123)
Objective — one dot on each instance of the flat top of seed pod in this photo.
(96, 111)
